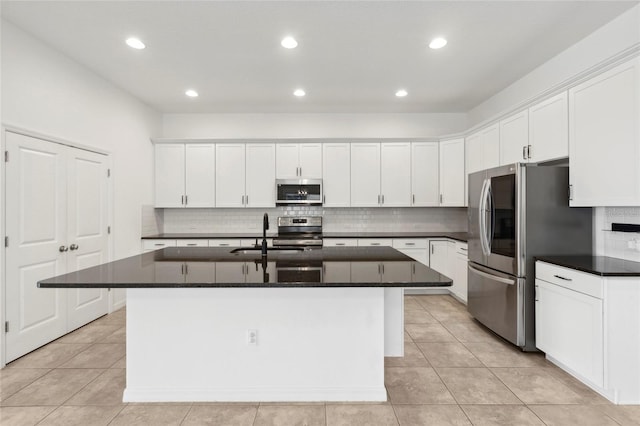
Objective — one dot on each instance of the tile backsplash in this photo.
(335, 219)
(623, 245)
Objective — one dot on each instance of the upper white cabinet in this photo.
(514, 138)
(245, 175)
(604, 138)
(336, 174)
(483, 149)
(424, 174)
(548, 129)
(452, 173)
(184, 175)
(365, 174)
(395, 183)
(298, 160)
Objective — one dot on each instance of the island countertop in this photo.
(177, 267)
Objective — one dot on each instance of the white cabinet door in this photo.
(336, 272)
(260, 175)
(230, 175)
(514, 138)
(417, 249)
(425, 190)
(310, 160)
(604, 138)
(439, 257)
(459, 287)
(365, 174)
(336, 174)
(473, 152)
(375, 242)
(200, 175)
(549, 129)
(569, 328)
(339, 242)
(395, 174)
(287, 164)
(490, 146)
(169, 175)
(452, 173)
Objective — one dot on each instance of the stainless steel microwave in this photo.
(296, 192)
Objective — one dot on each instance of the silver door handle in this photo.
(528, 151)
(246, 198)
(491, 277)
(409, 244)
(340, 244)
(243, 200)
(324, 198)
(62, 249)
(375, 244)
(186, 200)
(74, 247)
(563, 278)
(524, 152)
(382, 198)
(182, 200)
(413, 199)
(192, 244)
(441, 198)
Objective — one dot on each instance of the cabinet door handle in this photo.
(563, 278)
(192, 244)
(340, 244)
(382, 198)
(570, 192)
(224, 245)
(383, 268)
(413, 199)
(528, 151)
(375, 244)
(324, 198)
(378, 198)
(524, 152)
(441, 197)
(409, 244)
(159, 244)
(182, 200)
(431, 249)
(246, 198)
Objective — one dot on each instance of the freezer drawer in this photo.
(497, 301)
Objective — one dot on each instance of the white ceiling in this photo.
(352, 55)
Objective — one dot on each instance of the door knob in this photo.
(62, 249)
(74, 247)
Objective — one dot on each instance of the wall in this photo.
(621, 34)
(334, 219)
(623, 245)
(46, 92)
(369, 125)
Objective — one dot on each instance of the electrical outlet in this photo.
(252, 337)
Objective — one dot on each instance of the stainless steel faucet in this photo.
(265, 226)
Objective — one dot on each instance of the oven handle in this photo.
(491, 276)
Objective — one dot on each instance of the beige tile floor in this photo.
(454, 372)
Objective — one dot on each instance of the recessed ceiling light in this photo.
(289, 43)
(191, 93)
(299, 93)
(401, 93)
(438, 43)
(135, 43)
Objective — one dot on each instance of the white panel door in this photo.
(365, 174)
(287, 164)
(86, 231)
(395, 174)
(474, 153)
(452, 173)
(200, 175)
(549, 129)
(36, 207)
(424, 174)
(310, 160)
(491, 146)
(514, 138)
(169, 175)
(604, 138)
(260, 175)
(230, 175)
(439, 257)
(336, 174)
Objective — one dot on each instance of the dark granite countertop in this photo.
(597, 265)
(459, 236)
(221, 267)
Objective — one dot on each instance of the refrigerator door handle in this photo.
(491, 276)
(492, 217)
(482, 218)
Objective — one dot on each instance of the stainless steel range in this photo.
(299, 231)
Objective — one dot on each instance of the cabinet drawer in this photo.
(461, 248)
(192, 243)
(410, 243)
(157, 244)
(340, 242)
(570, 278)
(224, 243)
(374, 242)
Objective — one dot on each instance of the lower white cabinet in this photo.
(459, 259)
(150, 245)
(374, 242)
(439, 256)
(415, 248)
(340, 242)
(590, 326)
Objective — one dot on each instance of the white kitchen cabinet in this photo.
(192, 243)
(365, 174)
(184, 175)
(298, 160)
(375, 242)
(439, 258)
(395, 174)
(549, 129)
(452, 173)
(483, 149)
(222, 242)
(336, 272)
(151, 245)
(415, 248)
(245, 175)
(460, 259)
(336, 174)
(340, 242)
(514, 138)
(260, 187)
(425, 168)
(604, 138)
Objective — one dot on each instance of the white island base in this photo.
(312, 344)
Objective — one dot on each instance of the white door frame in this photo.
(4, 128)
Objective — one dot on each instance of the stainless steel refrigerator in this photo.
(517, 212)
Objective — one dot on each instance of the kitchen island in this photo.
(220, 324)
